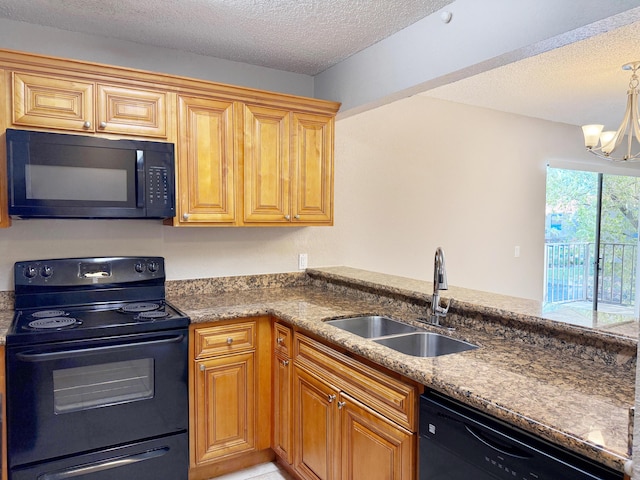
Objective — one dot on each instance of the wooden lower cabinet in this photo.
(281, 442)
(338, 436)
(225, 398)
(373, 447)
(230, 402)
(316, 434)
(259, 390)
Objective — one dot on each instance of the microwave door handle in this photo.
(141, 181)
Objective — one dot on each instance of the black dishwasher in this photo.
(459, 443)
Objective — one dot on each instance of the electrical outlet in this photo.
(516, 251)
(303, 261)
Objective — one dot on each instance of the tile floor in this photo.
(265, 471)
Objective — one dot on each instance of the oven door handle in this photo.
(43, 357)
(104, 465)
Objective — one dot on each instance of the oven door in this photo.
(72, 397)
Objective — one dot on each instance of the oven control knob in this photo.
(153, 267)
(139, 267)
(46, 271)
(30, 271)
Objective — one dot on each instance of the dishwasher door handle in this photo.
(508, 450)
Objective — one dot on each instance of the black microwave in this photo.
(55, 175)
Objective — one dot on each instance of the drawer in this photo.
(223, 339)
(282, 339)
(389, 396)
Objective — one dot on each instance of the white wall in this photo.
(424, 173)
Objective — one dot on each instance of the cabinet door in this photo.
(131, 111)
(4, 118)
(282, 426)
(52, 102)
(224, 406)
(316, 428)
(207, 164)
(372, 446)
(266, 165)
(312, 192)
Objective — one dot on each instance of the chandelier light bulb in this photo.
(592, 135)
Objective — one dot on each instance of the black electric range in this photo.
(77, 298)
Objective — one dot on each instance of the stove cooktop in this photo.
(65, 299)
(43, 325)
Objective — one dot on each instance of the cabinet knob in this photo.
(202, 367)
(297, 217)
(341, 404)
(86, 124)
(229, 341)
(185, 216)
(285, 363)
(331, 397)
(280, 340)
(287, 217)
(103, 124)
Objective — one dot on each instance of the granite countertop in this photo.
(570, 385)
(578, 402)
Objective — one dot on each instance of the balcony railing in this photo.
(570, 267)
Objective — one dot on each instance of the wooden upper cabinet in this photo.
(312, 191)
(68, 104)
(244, 157)
(4, 110)
(267, 170)
(52, 102)
(131, 111)
(288, 167)
(206, 162)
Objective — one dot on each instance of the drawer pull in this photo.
(331, 397)
(280, 341)
(229, 341)
(285, 363)
(202, 367)
(341, 404)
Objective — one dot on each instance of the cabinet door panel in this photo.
(373, 447)
(266, 165)
(312, 195)
(131, 111)
(4, 119)
(225, 406)
(52, 102)
(282, 383)
(207, 163)
(316, 431)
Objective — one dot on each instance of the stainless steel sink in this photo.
(425, 344)
(372, 326)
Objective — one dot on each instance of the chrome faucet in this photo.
(439, 283)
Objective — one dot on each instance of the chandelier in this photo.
(629, 128)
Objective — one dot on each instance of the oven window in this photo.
(93, 386)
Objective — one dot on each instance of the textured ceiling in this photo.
(578, 84)
(302, 36)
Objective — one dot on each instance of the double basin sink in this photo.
(401, 337)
